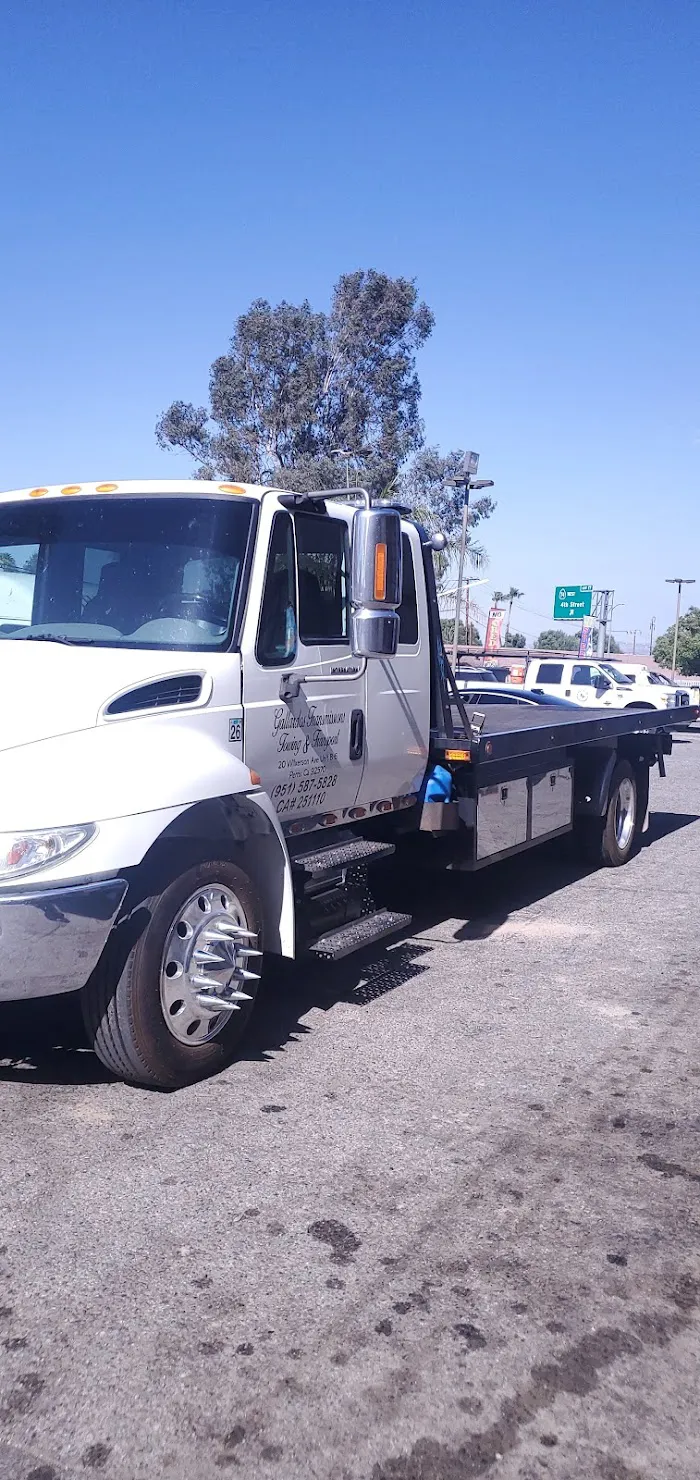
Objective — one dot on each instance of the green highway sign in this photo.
(572, 602)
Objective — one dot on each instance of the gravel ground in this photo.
(440, 1221)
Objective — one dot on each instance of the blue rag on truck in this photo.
(438, 785)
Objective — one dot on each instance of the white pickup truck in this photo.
(651, 688)
(223, 705)
(599, 685)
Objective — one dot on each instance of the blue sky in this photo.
(535, 166)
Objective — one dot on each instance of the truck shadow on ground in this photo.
(483, 902)
(43, 1042)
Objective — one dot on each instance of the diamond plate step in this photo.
(348, 938)
(343, 854)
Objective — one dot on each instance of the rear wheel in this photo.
(610, 840)
(174, 992)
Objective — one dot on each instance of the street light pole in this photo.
(347, 454)
(680, 582)
(460, 577)
(465, 480)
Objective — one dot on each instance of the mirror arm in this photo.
(290, 683)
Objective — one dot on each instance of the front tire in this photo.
(174, 992)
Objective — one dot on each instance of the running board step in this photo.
(348, 938)
(343, 855)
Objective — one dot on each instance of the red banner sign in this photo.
(494, 629)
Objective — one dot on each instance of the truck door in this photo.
(581, 686)
(308, 749)
(591, 686)
(398, 697)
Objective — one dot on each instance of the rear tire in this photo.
(140, 1007)
(611, 840)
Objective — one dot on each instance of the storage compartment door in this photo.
(501, 817)
(552, 801)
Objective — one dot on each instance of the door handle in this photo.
(567, 692)
(357, 735)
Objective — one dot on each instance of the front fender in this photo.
(246, 829)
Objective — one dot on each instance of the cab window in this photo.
(408, 610)
(322, 555)
(550, 673)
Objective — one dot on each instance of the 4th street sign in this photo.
(571, 603)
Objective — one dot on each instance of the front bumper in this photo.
(52, 939)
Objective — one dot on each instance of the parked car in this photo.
(506, 693)
(470, 676)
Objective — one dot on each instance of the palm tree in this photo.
(510, 596)
(513, 595)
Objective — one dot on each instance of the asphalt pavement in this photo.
(441, 1219)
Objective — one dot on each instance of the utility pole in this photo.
(652, 630)
(464, 479)
(680, 582)
(604, 609)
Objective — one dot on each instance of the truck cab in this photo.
(193, 686)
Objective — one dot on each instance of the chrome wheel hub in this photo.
(205, 966)
(625, 813)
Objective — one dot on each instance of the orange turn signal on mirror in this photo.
(380, 572)
(458, 755)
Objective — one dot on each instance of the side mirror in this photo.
(602, 684)
(375, 582)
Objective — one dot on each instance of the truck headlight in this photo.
(24, 852)
(670, 701)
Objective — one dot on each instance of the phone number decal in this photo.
(302, 794)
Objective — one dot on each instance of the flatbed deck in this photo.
(510, 731)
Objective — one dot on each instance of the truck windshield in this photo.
(617, 674)
(130, 572)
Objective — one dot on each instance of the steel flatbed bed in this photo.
(524, 775)
(514, 732)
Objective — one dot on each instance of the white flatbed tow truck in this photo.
(224, 706)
